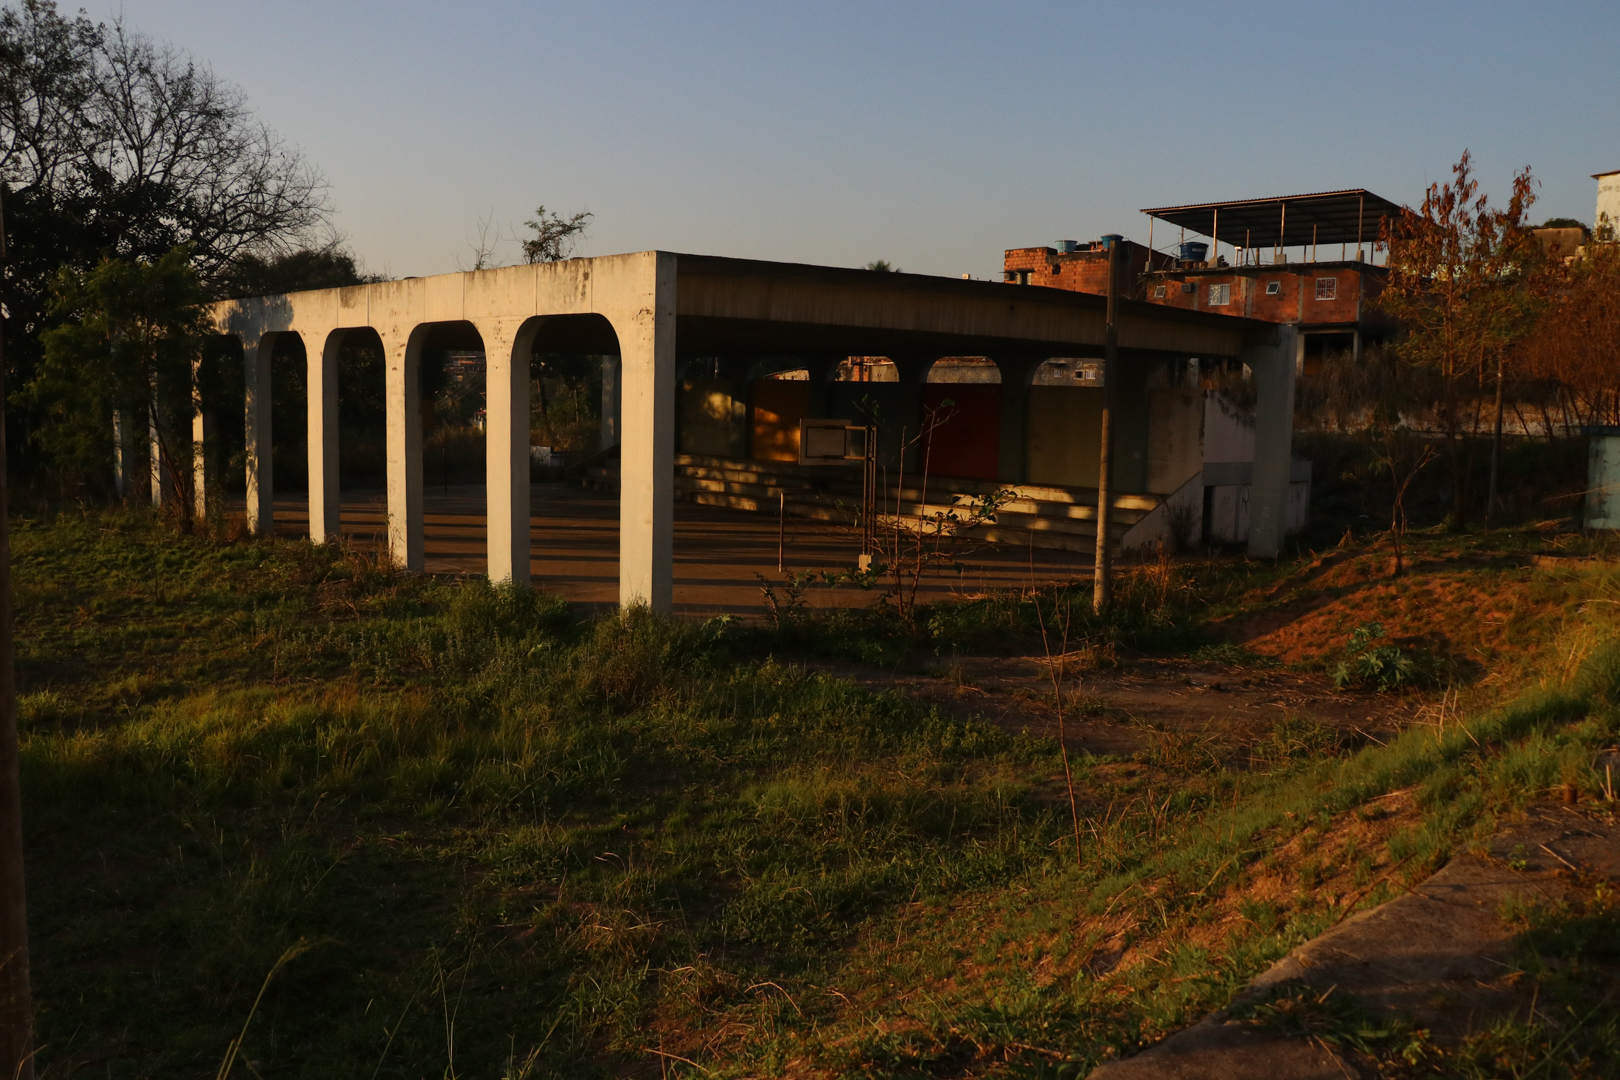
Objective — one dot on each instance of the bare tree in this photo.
(47, 82)
(483, 249)
(171, 137)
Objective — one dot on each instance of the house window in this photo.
(1158, 292)
(1220, 295)
(1273, 288)
(1327, 288)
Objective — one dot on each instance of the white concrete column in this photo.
(1273, 367)
(162, 483)
(403, 349)
(507, 345)
(646, 330)
(123, 454)
(320, 351)
(1017, 374)
(256, 353)
(201, 480)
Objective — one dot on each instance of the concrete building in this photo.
(699, 343)
(1606, 223)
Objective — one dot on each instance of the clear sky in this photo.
(933, 135)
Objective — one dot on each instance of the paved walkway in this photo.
(574, 538)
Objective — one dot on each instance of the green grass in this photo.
(511, 840)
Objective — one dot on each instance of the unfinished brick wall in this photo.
(1085, 270)
(1298, 298)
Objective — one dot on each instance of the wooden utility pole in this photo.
(1101, 583)
(16, 1001)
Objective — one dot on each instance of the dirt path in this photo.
(1123, 709)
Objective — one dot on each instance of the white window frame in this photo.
(1273, 288)
(1331, 291)
(1220, 295)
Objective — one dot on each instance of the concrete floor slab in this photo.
(574, 549)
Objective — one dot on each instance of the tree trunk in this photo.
(16, 999)
(1496, 449)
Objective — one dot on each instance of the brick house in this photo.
(1262, 279)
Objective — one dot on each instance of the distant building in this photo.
(1078, 267)
(1561, 244)
(1262, 279)
(1608, 204)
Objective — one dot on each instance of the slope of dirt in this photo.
(1467, 608)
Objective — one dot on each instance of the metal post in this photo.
(16, 1000)
(1361, 212)
(781, 532)
(1215, 238)
(1101, 585)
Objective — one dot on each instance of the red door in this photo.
(966, 440)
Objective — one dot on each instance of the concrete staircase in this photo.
(1045, 517)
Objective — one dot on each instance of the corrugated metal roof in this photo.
(1321, 217)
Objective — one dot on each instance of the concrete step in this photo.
(1040, 515)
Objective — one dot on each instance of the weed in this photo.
(561, 847)
(1333, 1018)
(1227, 652)
(1384, 668)
(1294, 738)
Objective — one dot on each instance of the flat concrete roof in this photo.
(749, 306)
(752, 305)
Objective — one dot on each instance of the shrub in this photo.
(1368, 665)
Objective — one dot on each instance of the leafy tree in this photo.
(129, 335)
(1465, 281)
(329, 267)
(1575, 351)
(1567, 223)
(555, 236)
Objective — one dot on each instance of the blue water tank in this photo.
(1195, 250)
(1110, 239)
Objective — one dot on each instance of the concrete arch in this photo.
(323, 349)
(589, 334)
(956, 370)
(258, 355)
(404, 429)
